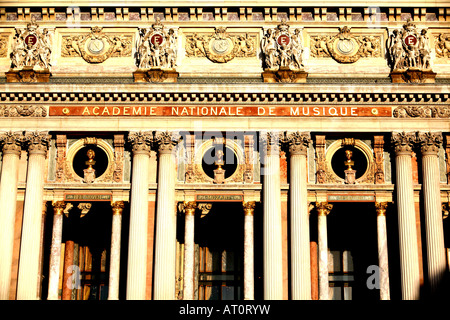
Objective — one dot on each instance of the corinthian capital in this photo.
(323, 208)
(167, 141)
(430, 142)
(140, 141)
(12, 142)
(298, 142)
(271, 141)
(403, 141)
(37, 141)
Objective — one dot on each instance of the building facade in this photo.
(226, 151)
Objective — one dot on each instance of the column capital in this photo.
(429, 142)
(58, 207)
(323, 208)
(37, 142)
(381, 207)
(117, 207)
(298, 142)
(167, 141)
(12, 142)
(403, 142)
(188, 207)
(140, 141)
(249, 208)
(271, 141)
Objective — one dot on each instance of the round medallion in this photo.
(283, 40)
(156, 39)
(345, 46)
(30, 40)
(96, 46)
(220, 46)
(410, 40)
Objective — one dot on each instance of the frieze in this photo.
(221, 46)
(422, 112)
(23, 111)
(96, 46)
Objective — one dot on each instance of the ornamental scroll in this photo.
(97, 46)
(220, 46)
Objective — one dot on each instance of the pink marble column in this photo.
(382, 250)
(323, 209)
(55, 252)
(8, 199)
(189, 250)
(114, 265)
(249, 282)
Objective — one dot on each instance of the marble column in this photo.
(55, 251)
(299, 213)
(165, 242)
(249, 276)
(8, 198)
(137, 243)
(114, 265)
(189, 250)
(382, 250)
(272, 228)
(434, 228)
(323, 209)
(409, 256)
(28, 282)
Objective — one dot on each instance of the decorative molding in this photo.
(248, 153)
(378, 152)
(221, 46)
(345, 47)
(119, 148)
(3, 45)
(61, 147)
(321, 164)
(96, 46)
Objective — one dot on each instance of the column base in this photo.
(413, 76)
(284, 74)
(155, 75)
(28, 75)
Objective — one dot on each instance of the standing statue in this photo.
(31, 48)
(156, 47)
(409, 49)
(282, 48)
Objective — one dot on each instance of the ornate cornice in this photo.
(298, 142)
(37, 142)
(140, 141)
(429, 142)
(403, 142)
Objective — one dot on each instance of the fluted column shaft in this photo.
(249, 282)
(114, 265)
(55, 251)
(382, 250)
(409, 257)
(299, 213)
(165, 249)
(272, 233)
(137, 243)
(27, 286)
(189, 250)
(437, 264)
(8, 196)
(323, 209)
